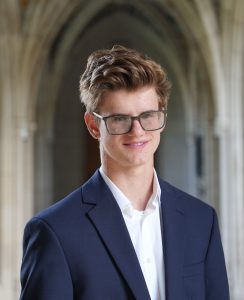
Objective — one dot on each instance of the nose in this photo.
(136, 128)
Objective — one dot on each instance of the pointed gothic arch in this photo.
(162, 38)
(205, 62)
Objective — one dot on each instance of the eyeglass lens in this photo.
(120, 124)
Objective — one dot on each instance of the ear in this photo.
(92, 125)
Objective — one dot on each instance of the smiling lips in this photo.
(136, 144)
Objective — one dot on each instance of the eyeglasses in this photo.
(121, 124)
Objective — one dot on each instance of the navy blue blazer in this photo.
(80, 249)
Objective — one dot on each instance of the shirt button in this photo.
(148, 260)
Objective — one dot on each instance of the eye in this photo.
(148, 115)
(120, 118)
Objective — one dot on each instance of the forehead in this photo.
(129, 102)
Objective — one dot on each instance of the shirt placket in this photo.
(148, 258)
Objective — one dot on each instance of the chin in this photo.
(139, 162)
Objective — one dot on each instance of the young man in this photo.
(124, 234)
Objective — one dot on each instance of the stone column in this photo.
(16, 167)
(232, 165)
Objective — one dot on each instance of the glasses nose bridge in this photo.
(135, 118)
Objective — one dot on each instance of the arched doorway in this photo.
(72, 155)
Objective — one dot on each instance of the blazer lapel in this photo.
(108, 220)
(173, 241)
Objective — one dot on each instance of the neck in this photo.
(135, 182)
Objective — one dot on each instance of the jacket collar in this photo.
(173, 239)
(108, 220)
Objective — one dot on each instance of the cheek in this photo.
(156, 139)
(108, 142)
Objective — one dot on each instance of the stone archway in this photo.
(35, 41)
(135, 33)
(132, 25)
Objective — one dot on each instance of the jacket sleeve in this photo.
(45, 273)
(216, 275)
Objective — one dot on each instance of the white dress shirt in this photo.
(145, 232)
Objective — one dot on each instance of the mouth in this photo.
(136, 144)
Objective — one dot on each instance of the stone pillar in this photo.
(16, 164)
(232, 147)
(26, 32)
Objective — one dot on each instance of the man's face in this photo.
(137, 147)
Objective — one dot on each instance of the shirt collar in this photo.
(125, 204)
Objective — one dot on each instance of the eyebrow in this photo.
(124, 114)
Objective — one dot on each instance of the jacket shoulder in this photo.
(188, 203)
(69, 203)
